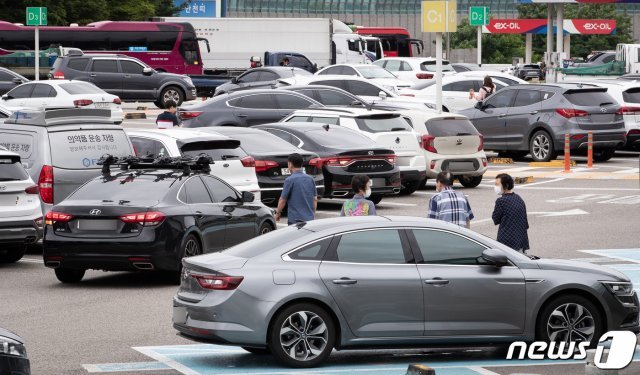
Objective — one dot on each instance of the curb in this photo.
(551, 164)
(135, 115)
(501, 160)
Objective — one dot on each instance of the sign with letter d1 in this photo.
(439, 16)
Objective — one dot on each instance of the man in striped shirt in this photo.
(449, 205)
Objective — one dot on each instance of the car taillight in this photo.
(186, 115)
(53, 217)
(337, 162)
(117, 101)
(147, 219)
(265, 165)
(428, 143)
(411, 95)
(628, 111)
(31, 189)
(570, 112)
(633, 131)
(424, 76)
(45, 184)
(481, 145)
(391, 159)
(316, 162)
(58, 75)
(82, 102)
(248, 161)
(218, 282)
(484, 162)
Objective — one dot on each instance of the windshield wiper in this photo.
(459, 134)
(122, 201)
(9, 179)
(605, 103)
(398, 129)
(225, 157)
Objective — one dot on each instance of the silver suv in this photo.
(60, 148)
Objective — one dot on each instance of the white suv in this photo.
(450, 142)
(20, 211)
(387, 129)
(414, 69)
(231, 163)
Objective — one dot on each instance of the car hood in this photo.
(604, 273)
(11, 335)
(215, 262)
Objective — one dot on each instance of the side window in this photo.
(508, 81)
(380, 246)
(328, 97)
(325, 120)
(259, 101)
(131, 67)
(299, 119)
(314, 251)
(105, 66)
(283, 135)
(332, 70)
(332, 83)
(300, 62)
(42, 91)
(405, 67)
(268, 76)
(500, 99)
(286, 101)
(460, 86)
(363, 88)
(608, 59)
(22, 91)
(5, 77)
(546, 95)
(220, 191)
(78, 64)
(527, 97)
(196, 191)
(393, 65)
(249, 77)
(438, 247)
(348, 71)
(145, 146)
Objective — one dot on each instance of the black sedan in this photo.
(13, 355)
(9, 80)
(343, 153)
(148, 217)
(270, 153)
(260, 78)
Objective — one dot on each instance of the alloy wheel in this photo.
(571, 322)
(191, 248)
(541, 146)
(304, 336)
(171, 95)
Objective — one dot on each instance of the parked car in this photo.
(506, 78)
(371, 72)
(599, 58)
(534, 119)
(383, 282)
(230, 162)
(244, 108)
(60, 148)
(465, 67)
(455, 91)
(414, 69)
(387, 129)
(124, 76)
(270, 154)
(330, 96)
(451, 143)
(13, 354)
(63, 94)
(149, 217)
(260, 78)
(10, 79)
(528, 71)
(343, 153)
(20, 211)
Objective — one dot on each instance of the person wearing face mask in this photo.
(449, 205)
(359, 205)
(510, 213)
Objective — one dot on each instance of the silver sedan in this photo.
(384, 282)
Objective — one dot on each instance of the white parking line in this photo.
(385, 203)
(628, 171)
(32, 260)
(541, 182)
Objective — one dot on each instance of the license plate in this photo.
(179, 314)
(286, 171)
(9, 200)
(461, 166)
(378, 182)
(102, 105)
(97, 225)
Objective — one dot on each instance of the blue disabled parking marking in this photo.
(629, 255)
(126, 367)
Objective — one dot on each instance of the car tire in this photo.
(410, 188)
(603, 154)
(541, 147)
(12, 253)
(171, 93)
(470, 181)
(299, 328)
(376, 198)
(69, 275)
(265, 228)
(560, 313)
(257, 351)
(191, 247)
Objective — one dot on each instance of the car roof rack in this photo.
(59, 116)
(188, 164)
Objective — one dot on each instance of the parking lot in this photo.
(121, 322)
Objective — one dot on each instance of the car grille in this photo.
(363, 166)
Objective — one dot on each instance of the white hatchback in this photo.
(20, 211)
(414, 69)
(231, 163)
(56, 94)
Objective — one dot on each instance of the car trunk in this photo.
(453, 136)
(14, 200)
(275, 164)
(595, 109)
(211, 265)
(391, 131)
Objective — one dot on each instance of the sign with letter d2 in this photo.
(439, 16)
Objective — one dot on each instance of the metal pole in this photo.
(479, 45)
(549, 34)
(439, 72)
(559, 24)
(37, 54)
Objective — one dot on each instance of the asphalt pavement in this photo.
(121, 322)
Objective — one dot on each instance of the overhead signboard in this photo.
(439, 16)
(539, 26)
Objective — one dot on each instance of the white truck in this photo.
(227, 44)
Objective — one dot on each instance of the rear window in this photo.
(631, 95)
(81, 149)
(218, 150)
(379, 124)
(128, 187)
(77, 64)
(430, 66)
(261, 244)
(589, 98)
(375, 71)
(21, 144)
(340, 137)
(531, 67)
(286, 73)
(450, 127)
(264, 143)
(78, 88)
(11, 170)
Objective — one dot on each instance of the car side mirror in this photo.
(6, 97)
(234, 80)
(248, 197)
(17, 80)
(382, 95)
(495, 257)
(147, 71)
(315, 68)
(479, 105)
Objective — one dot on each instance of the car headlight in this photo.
(188, 79)
(619, 288)
(430, 105)
(12, 347)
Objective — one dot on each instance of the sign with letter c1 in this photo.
(439, 16)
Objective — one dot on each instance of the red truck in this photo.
(396, 41)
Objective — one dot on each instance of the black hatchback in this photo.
(148, 217)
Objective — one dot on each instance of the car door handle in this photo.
(228, 215)
(243, 115)
(533, 112)
(502, 115)
(92, 75)
(344, 281)
(437, 281)
(199, 214)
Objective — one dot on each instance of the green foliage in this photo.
(496, 48)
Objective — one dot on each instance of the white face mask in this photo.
(367, 193)
(497, 189)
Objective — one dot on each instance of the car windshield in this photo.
(136, 187)
(261, 244)
(12, 170)
(288, 73)
(77, 88)
(430, 66)
(375, 71)
(383, 123)
(589, 98)
(218, 150)
(450, 127)
(631, 95)
(532, 66)
(339, 138)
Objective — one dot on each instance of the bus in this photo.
(396, 41)
(165, 46)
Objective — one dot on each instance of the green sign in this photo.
(478, 16)
(36, 16)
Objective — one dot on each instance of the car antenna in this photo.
(325, 127)
(300, 224)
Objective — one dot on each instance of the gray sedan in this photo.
(365, 282)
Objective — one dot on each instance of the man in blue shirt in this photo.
(299, 192)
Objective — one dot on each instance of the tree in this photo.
(496, 48)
